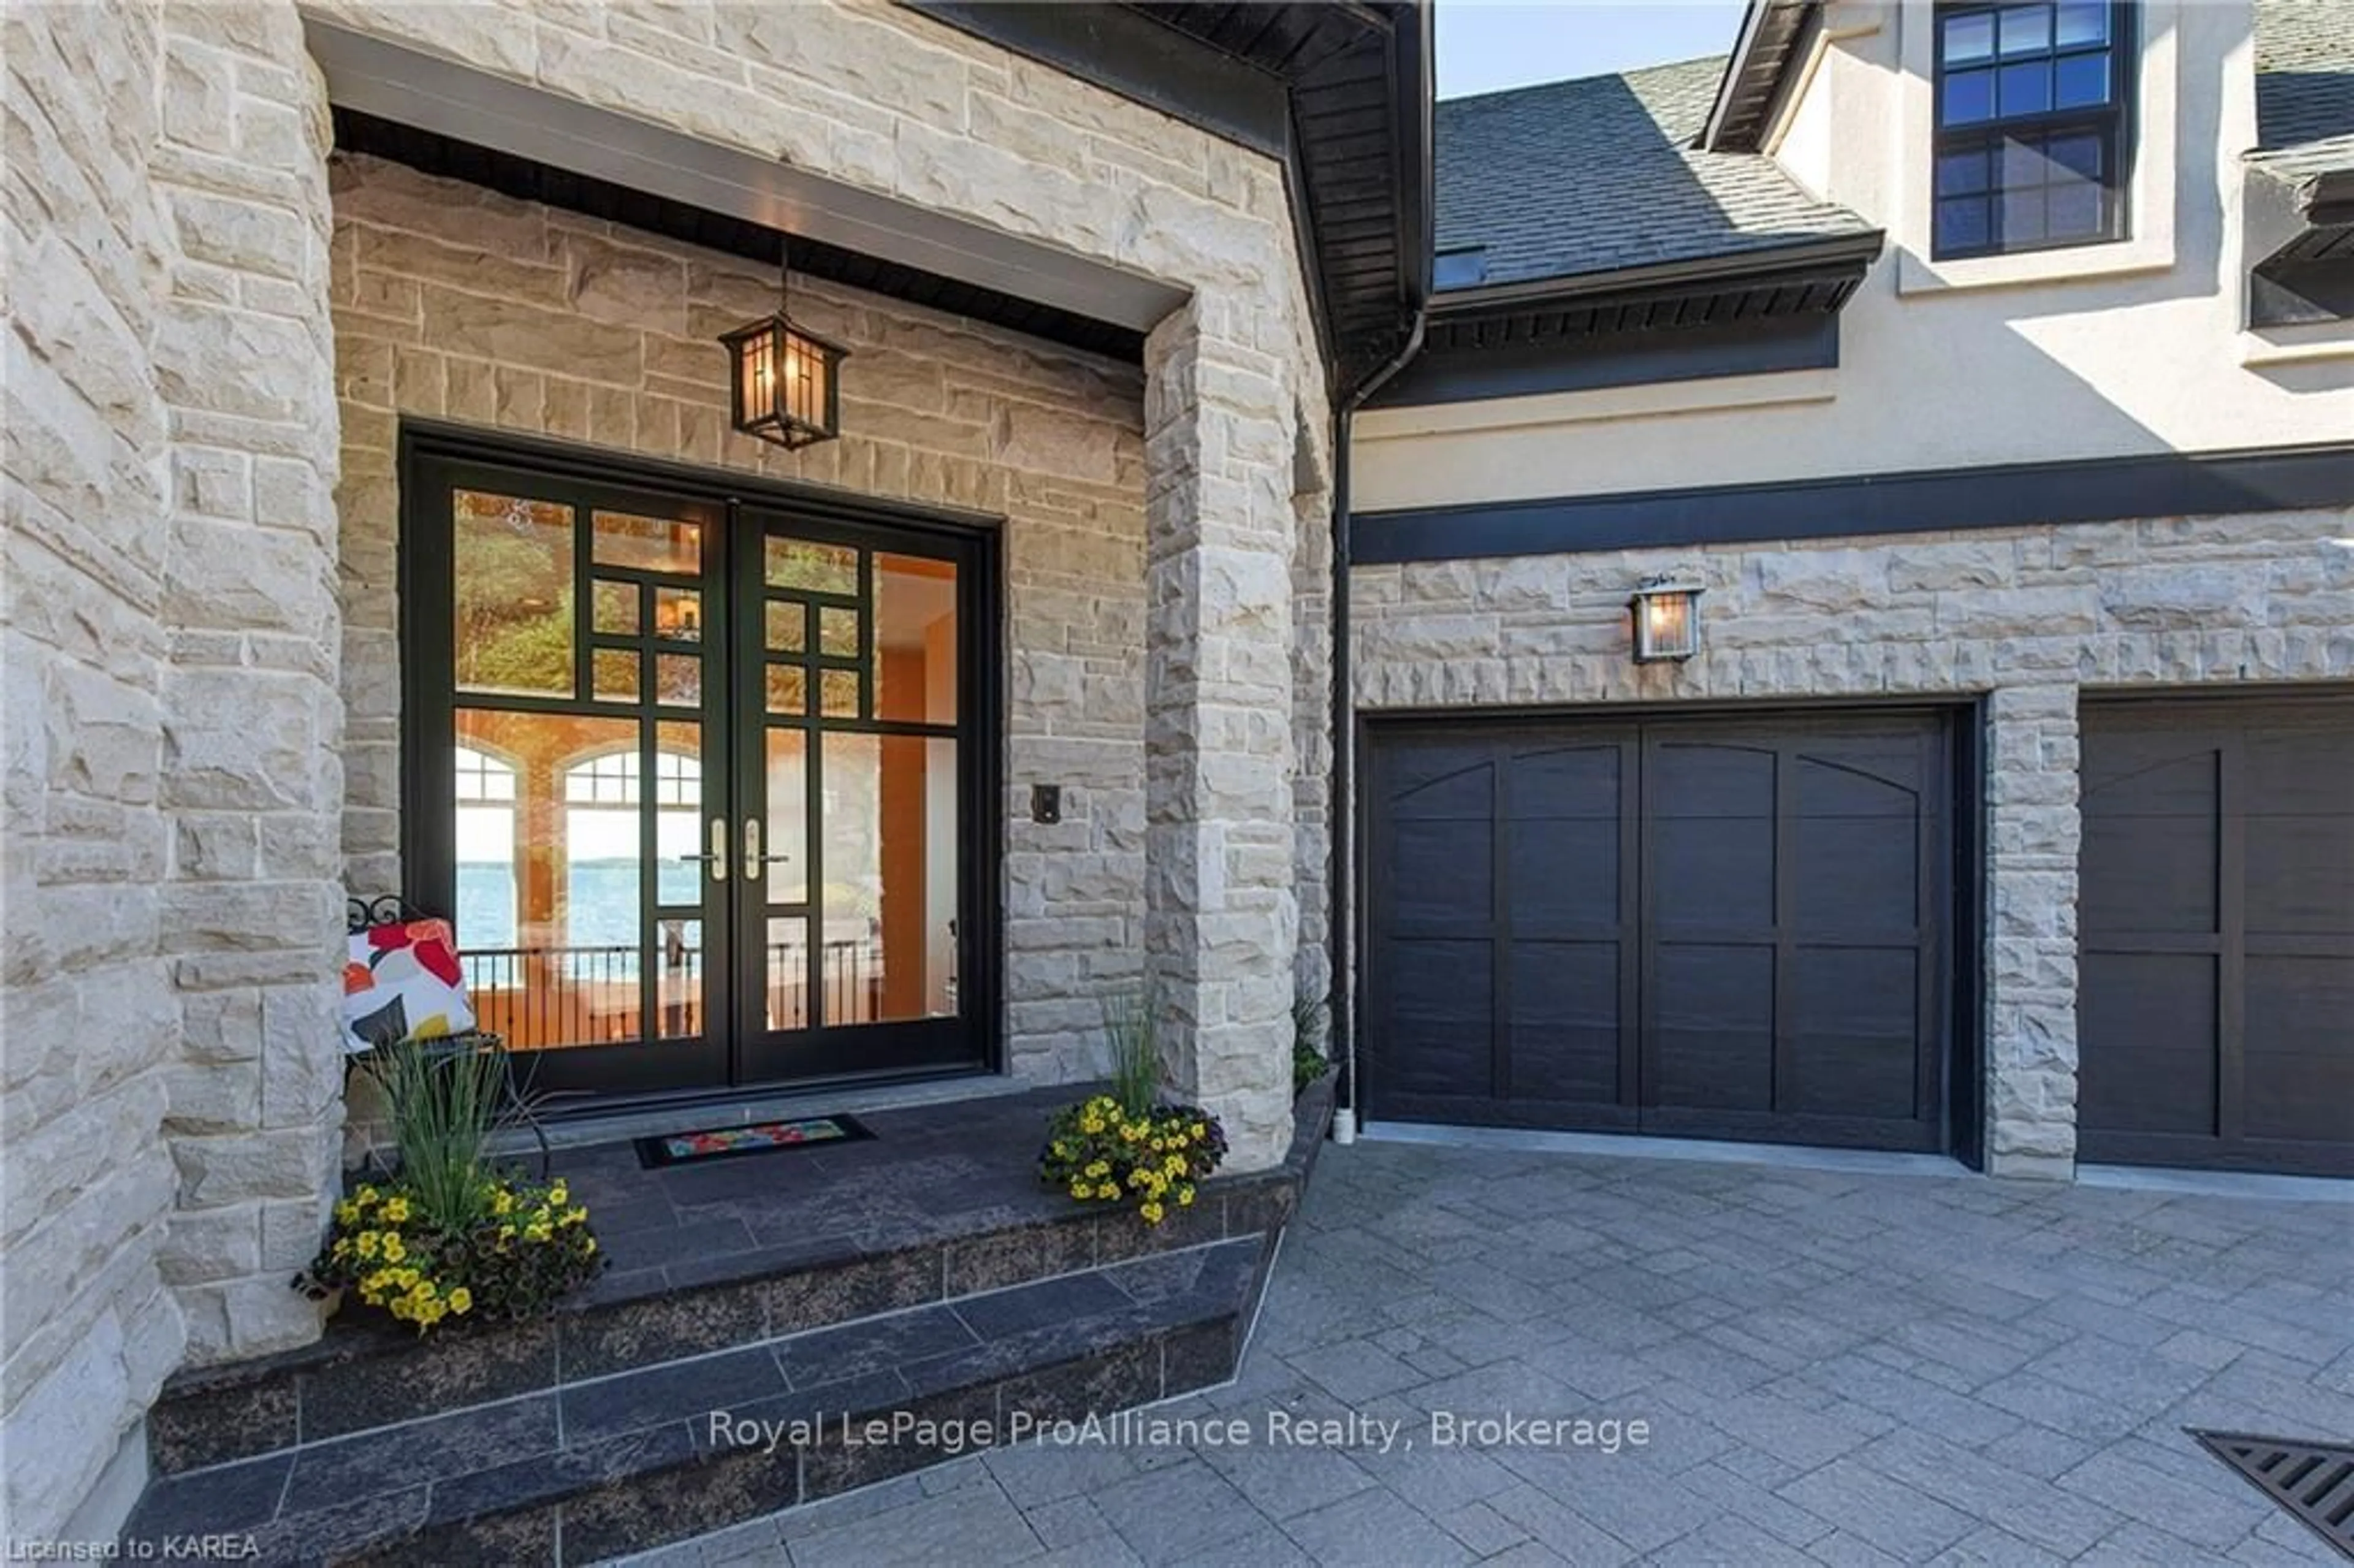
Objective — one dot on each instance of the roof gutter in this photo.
(1341, 922)
(1838, 250)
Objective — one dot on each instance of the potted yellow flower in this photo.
(1127, 1146)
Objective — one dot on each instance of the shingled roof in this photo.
(1596, 175)
(2305, 88)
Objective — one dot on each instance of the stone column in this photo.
(2034, 829)
(1222, 917)
(252, 923)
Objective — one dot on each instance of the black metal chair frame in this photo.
(390, 909)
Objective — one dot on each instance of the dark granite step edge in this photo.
(365, 1373)
(643, 1488)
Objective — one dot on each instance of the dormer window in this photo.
(2031, 145)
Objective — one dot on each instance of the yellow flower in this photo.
(369, 1240)
(1184, 1196)
(536, 1231)
(1080, 1189)
(346, 1212)
(395, 1210)
(393, 1249)
(576, 1217)
(1107, 1190)
(559, 1194)
(1091, 1124)
(590, 1251)
(1151, 1212)
(365, 1196)
(1201, 1132)
(502, 1201)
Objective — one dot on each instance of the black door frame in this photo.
(1961, 1018)
(427, 832)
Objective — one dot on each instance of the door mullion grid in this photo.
(2232, 930)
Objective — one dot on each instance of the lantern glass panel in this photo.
(1666, 624)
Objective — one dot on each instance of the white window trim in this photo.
(2150, 199)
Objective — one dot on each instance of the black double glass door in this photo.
(699, 775)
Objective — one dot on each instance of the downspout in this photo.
(1412, 43)
(1341, 922)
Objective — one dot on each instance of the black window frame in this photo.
(2114, 123)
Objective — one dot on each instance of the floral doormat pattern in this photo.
(761, 1138)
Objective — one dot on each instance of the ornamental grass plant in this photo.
(1131, 1146)
(451, 1236)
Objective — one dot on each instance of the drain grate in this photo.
(2314, 1481)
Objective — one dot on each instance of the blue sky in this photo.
(1486, 46)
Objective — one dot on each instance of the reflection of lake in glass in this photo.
(602, 909)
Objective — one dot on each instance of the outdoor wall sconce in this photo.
(1666, 611)
(786, 382)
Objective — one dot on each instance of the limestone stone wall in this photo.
(454, 303)
(2030, 618)
(168, 1095)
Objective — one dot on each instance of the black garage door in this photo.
(1709, 927)
(2215, 1000)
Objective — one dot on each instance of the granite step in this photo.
(736, 1253)
(605, 1460)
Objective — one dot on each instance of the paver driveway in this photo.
(1834, 1367)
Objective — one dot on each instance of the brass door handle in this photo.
(753, 859)
(717, 859)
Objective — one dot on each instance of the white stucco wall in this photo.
(2084, 353)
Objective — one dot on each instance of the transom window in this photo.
(612, 780)
(2031, 144)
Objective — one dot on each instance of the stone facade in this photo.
(186, 791)
(171, 717)
(884, 100)
(2027, 618)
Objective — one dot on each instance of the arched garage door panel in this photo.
(1707, 927)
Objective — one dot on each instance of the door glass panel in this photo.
(837, 632)
(887, 908)
(548, 875)
(785, 971)
(512, 586)
(678, 815)
(678, 680)
(787, 626)
(617, 607)
(678, 972)
(812, 568)
(616, 671)
(785, 826)
(838, 694)
(788, 689)
(915, 640)
(649, 544)
(678, 614)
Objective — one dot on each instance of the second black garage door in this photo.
(1706, 927)
(2215, 991)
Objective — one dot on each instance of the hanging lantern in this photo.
(786, 385)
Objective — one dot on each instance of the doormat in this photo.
(2313, 1482)
(759, 1138)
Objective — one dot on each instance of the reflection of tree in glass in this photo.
(514, 595)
